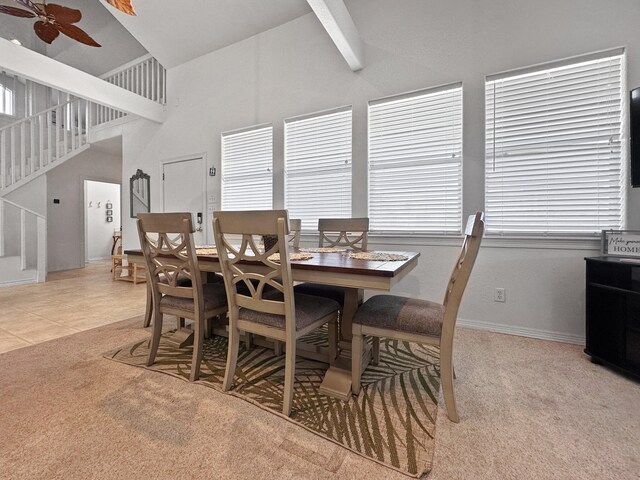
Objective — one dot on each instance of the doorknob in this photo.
(199, 221)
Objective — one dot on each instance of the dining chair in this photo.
(420, 321)
(273, 312)
(295, 225)
(349, 233)
(176, 283)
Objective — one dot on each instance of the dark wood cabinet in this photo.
(613, 313)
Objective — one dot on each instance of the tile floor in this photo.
(67, 303)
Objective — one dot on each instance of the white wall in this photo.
(65, 221)
(99, 232)
(409, 44)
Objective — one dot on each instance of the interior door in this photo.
(183, 190)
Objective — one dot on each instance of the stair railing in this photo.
(35, 142)
(143, 76)
(41, 242)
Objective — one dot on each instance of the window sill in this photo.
(586, 243)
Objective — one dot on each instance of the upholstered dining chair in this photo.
(420, 321)
(276, 312)
(349, 233)
(176, 284)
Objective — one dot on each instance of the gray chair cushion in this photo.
(309, 309)
(212, 277)
(214, 294)
(319, 290)
(401, 314)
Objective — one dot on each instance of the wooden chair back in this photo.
(169, 251)
(250, 266)
(344, 232)
(295, 225)
(462, 271)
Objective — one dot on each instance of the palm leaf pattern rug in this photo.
(392, 421)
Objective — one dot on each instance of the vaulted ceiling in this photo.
(175, 32)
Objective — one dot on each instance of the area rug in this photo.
(392, 421)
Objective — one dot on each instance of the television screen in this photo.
(635, 137)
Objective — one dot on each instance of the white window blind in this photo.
(247, 160)
(415, 162)
(553, 151)
(317, 152)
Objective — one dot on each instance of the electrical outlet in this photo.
(500, 295)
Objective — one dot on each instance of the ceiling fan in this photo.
(54, 19)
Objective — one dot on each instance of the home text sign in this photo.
(621, 243)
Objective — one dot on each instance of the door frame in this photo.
(185, 158)
(85, 212)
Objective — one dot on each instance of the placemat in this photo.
(378, 256)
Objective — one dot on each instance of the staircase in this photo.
(34, 145)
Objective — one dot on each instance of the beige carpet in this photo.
(529, 409)
(392, 421)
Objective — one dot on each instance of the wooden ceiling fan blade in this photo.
(63, 14)
(123, 5)
(16, 12)
(77, 34)
(46, 31)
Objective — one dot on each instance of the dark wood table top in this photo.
(337, 263)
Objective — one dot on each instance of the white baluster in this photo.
(41, 119)
(23, 239)
(23, 149)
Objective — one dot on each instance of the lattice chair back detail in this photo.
(344, 232)
(167, 244)
(248, 269)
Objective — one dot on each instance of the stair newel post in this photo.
(23, 239)
(49, 136)
(42, 249)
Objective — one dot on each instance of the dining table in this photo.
(329, 268)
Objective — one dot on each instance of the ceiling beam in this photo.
(44, 70)
(337, 21)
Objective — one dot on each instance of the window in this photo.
(6, 100)
(553, 153)
(247, 159)
(317, 153)
(415, 162)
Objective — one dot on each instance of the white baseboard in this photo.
(12, 283)
(522, 331)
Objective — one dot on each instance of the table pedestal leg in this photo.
(337, 380)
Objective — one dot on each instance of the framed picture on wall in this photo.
(108, 206)
(109, 212)
(109, 219)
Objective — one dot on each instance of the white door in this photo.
(183, 190)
